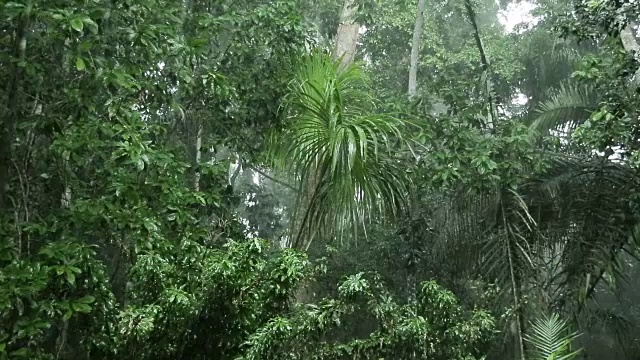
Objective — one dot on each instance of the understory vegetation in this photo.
(319, 179)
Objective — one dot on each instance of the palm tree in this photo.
(553, 239)
(336, 151)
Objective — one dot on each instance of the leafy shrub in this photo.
(437, 327)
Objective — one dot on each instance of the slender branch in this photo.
(289, 186)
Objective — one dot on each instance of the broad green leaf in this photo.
(77, 24)
(80, 64)
(81, 308)
(71, 277)
(88, 299)
(22, 352)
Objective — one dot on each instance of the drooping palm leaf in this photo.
(584, 206)
(565, 109)
(337, 152)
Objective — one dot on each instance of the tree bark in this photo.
(348, 33)
(415, 48)
(413, 89)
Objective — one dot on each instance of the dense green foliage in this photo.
(207, 180)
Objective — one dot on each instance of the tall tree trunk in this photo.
(186, 18)
(348, 33)
(492, 103)
(415, 48)
(628, 38)
(11, 111)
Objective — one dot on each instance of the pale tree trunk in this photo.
(65, 200)
(345, 50)
(628, 38)
(198, 157)
(348, 33)
(630, 44)
(413, 89)
(415, 48)
(439, 107)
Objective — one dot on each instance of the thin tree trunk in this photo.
(492, 116)
(196, 179)
(185, 17)
(65, 200)
(415, 48)
(516, 294)
(11, 111)
(516, 303)
(348, 33)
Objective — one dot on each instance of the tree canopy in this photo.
(319, 179)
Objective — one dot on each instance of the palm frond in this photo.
(565, 109)
(551, 339)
